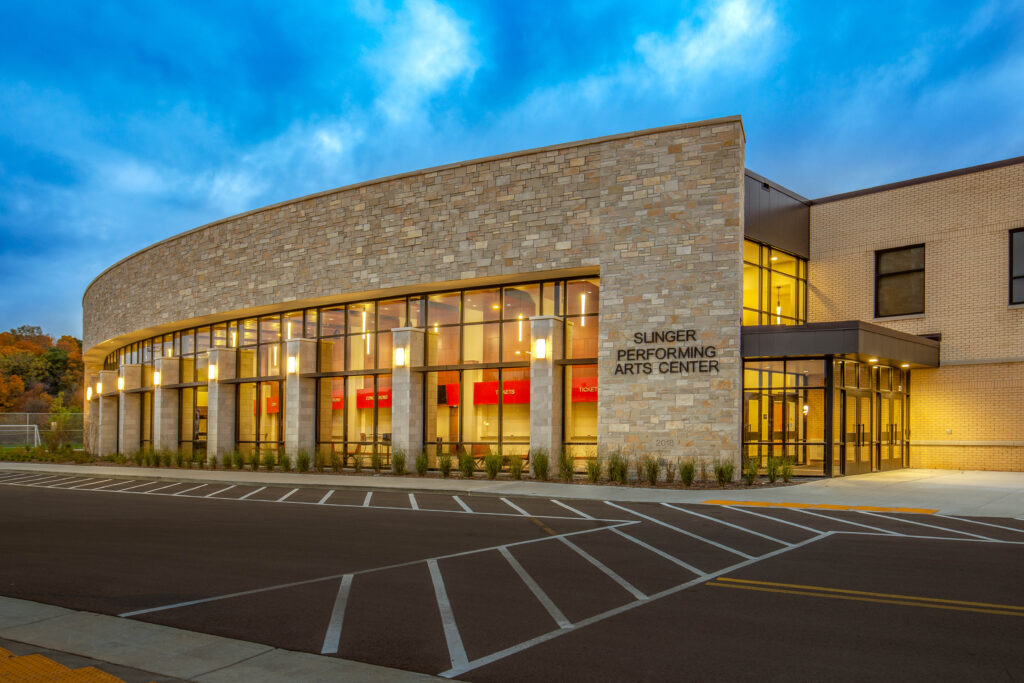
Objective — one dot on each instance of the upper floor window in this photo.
(774, 286)
(899, 281)
(1017, 266)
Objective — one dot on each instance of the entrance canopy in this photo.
(852, 339)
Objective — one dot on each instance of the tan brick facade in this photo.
(657, 214)
(975, 400)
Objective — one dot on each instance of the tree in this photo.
(34, 370)
(11, 389)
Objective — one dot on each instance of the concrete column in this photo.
(129, 423)
(546, 386)
(300, 398)
(90, 413)
(220, 423)
(106, 437)
(165, 404)
(407, 393)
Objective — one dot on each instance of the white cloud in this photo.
(735, 33)
(426, 48)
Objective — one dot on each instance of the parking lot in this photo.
(483, 587)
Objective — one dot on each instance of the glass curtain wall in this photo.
(870, 418)
(774, 286)
(260, 370)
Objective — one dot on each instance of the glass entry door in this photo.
(858, 435)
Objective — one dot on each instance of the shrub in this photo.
(774, 468)
(357, 462)
(422, 462)
(594, 469)
(515, 466)
(376, 460)
(651, 468)
(165, 458)
(179, 458)
(284, 461)
(670, 470)
(254, 461)
(199, 459)
(687, 470)
(138, 458)
(750, 470)
(618, 468)
(724, 471)
(702, 469)
(787, 469)
(444, 463)
(319, 459)
(398, 461)
(466, 464)
(492, 465)
(268, 460)
(302, 461)
(211, 460)
(237, 459)
(539, 461)
(566, 465)
(226, 461)
(337, 461)
(638, 468)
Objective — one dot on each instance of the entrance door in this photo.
(858, 435)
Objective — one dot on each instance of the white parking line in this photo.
(464, 506)
(285, 496)
(251, 492)
(930, 526)
(775, 519)
(40, 479)
(630, 588)
(682, 531)
(120, 481)
(537, 591)
(191, 489)
(326, 496)
(573, 510)
(366, 501)
(25, 477)
(161, 488)
(516, 507)
(211, 495)
(658, 551)
(333, 635)
(412, 502)
(722, 521)
(846, 521)
(456, 650)
(974, 521)
(137, 486)
(88, 483)
(74, 481)
(55, 484)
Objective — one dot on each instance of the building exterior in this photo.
(641, 292)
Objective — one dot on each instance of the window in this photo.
(774, 286)
(1017, 266)
(899, 281)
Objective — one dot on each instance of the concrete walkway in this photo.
(951, 492)
(173, 652)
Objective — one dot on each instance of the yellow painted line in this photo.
(542, 525)
(818, 506)
(894, 596)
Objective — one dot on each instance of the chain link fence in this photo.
(54, 430)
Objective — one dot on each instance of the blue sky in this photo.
(122, 123)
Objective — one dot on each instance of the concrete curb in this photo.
(175, 652)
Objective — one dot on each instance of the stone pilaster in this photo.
(407, 393)
(165, 404)
(221, 399)
(106, 438)
(129, 423)
(300, 398)
(546, 385)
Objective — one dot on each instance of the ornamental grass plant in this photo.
(539, 462)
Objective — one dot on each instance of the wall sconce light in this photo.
(156, 378)
(905, 365)
(99, 388)
(88, 393)
(399, 356)
(291, 364)
(211, 372)
(542, 349)
(120, 383)
(807, 409)
(872, 360)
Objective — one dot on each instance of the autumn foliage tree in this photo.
(34, 370)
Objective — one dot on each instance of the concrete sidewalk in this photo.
(951, 492)
(175, 653)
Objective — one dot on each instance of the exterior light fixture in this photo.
(156, 378)
(292, 364)
(872, 360)
(288, 330)
(88, 393)
(400, 357)
(211, 372)
(542, 348)
(99, 388)
(905, 365)
(234, 338)
(520, 327)
(583, 310)
(120, 383)
(807, 409)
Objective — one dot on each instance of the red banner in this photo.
(337, 400)
(364, 398)
(273, 405)
(584, 390)
(512, 391)
(451, 394)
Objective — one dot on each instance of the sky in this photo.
(123, 123)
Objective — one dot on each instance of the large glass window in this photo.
(260, 416)
(774, 286)
(1017, 266)
(899, 281)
